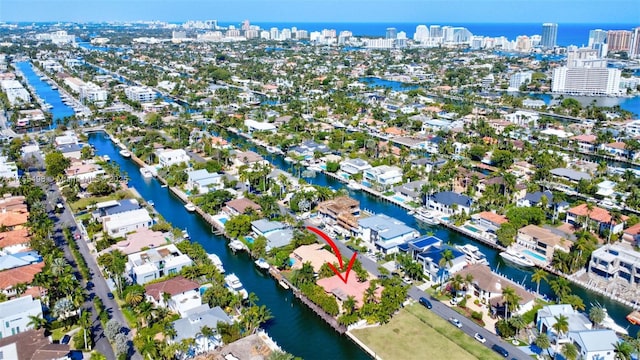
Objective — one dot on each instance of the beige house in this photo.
(542, 241)
(314, 254)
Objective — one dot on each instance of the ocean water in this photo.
(568, 34)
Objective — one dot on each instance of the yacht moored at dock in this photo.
(125, 153)
(473, 254)
(353, 185)
(215, 259)
(518, 259)
(262, 264)
(190, 207)
(146, 173)
(425, 216)
(233, 283)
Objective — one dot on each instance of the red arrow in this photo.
(336, 251)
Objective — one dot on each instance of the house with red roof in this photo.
(181, 296)
(585, 142)
(601, 217)
(341, 290)
(14, 241)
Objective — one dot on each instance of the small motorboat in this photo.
(106, 158)
(262, 264)
(125, 153)
(634, 317)
(190, 207)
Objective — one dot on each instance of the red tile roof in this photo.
(493, 217)
(597, 214)
(334, 285)
(22, 274)
(14, 237)
(173, 286)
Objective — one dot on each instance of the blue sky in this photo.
(454, 11)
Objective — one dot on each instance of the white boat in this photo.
(425, 216)
(190, 207)
(609, 323)
(236, 245)
(273, 150)
(315, 168)
(106, 158)
(262, 264)
(473, 254)
(146, 173)
(216, 262)
(354, 185)
(516, 258)
(185, 234)
(125, 153)
(283, 284)
(164, 185)
(151, 203)
(233, 283)
(288, 159)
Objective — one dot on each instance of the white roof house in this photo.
(118, 225)
(167, 158)
(354, 166)
(155, 263)
(14, 315)
(384, 175)
(253, 125)
(204, 181)
(595, 344)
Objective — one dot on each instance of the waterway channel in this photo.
(52, 97)
(294, 327)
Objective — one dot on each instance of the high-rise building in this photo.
(619, 40)
(392, 33)
(597, 36)
(585, 74)
(246, 25)
(549, 35)
(517, 79)
(421, 34)
(274, 33)
(634, 51)
(523, 43)
(447, 34)
(435, 31)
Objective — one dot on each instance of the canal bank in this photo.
(59, 109)
(522, 276)
(295, 327)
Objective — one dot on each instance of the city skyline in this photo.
(354, 11)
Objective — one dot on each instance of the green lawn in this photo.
(417, 333)
(82, 204)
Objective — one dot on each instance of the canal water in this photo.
(52, 97)
(294, 327)
(520, 275)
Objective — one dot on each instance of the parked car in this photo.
(454, 301)
(110, 295)
(425, 302)
(500, 350)
(455, 322)
(479, 338)
(65, 339)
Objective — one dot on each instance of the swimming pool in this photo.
(398, 198)
(535, 255)
(446, 219)
(223, 220)
(249, 239)
(471, 228)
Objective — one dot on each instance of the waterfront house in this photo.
(354, 166)
(619, 149)
(8, 170)
(419, 245)
(248, 158)
(342, 211)
(384, 175)
(429, 163)
(32, 345)
(449, 202)
(264, 227)
(70, 151)
(203, 181)
(601, 218)
(138, 240)
(190, 327)
(632, 234)
(112, 207)
(84, 172)
(430, 261)
(341, 290)
(595, 344)
(14, 216)
(253, 125)
(541, 241)
(606, 188)
(385, 232)
(547, 317)
(616, 262)
(585, 142)
(155, 263)
(14, 241)
(181, 296)
(168, 157)
(489, 220)
(570, 174)
(118, 225)
(315, 254)
(15, 315)
(239, 206)
(488, 287)
(412, 190)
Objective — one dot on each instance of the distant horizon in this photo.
(335, 11)
(234, 22)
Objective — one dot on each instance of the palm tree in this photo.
(58, 266)
(590, 208)
(560, 287)
(537, 276)
(569, 351)
(349, 305)
(37, 322)
(446, 259)
(511, 300)
(561, 326)
(207, 333)
(623, 350)
(518, 322)
(542, 341)
(133, 297)
(616, 217)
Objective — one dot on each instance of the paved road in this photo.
(468, 326)
(66, 220)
